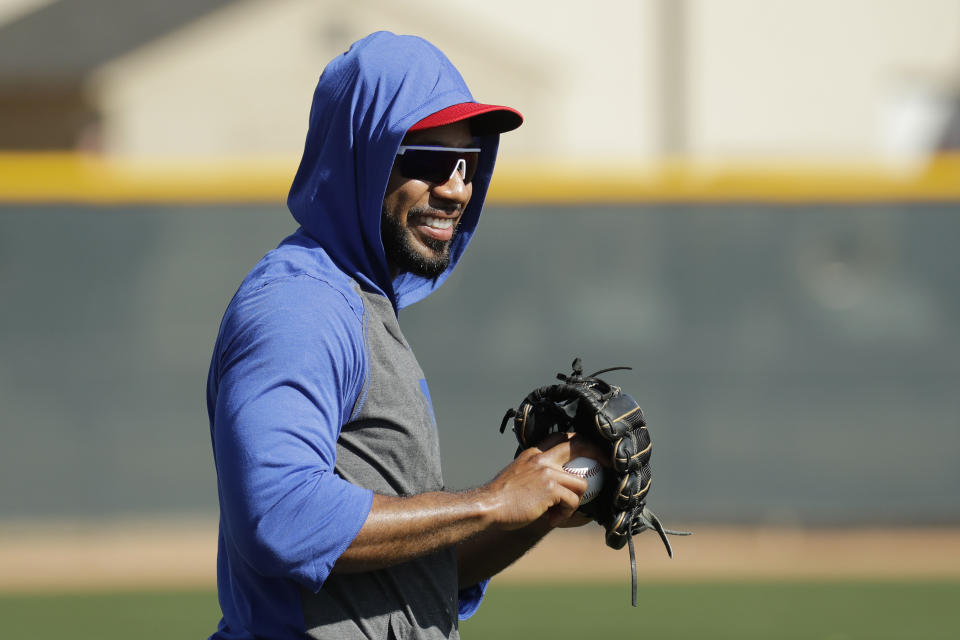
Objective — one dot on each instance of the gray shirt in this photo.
(390, 446)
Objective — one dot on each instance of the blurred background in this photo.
(754, 203)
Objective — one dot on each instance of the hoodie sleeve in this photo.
(470, 599)
(290, 367)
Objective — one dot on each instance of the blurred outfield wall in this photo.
(798, 362)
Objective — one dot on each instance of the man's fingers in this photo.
(574, 483)
(535, 484)
(569, 502)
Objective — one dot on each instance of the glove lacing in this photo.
(578, 377)
(645, 519)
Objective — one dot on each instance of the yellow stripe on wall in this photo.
(683, 181)
(91, 179)
(80, 178)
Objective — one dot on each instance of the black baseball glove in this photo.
(602, 413)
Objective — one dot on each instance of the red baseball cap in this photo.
(484, 118)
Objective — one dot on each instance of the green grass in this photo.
(745, 611)
(771, 611)
(146, 615)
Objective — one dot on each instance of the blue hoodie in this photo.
(291, 363)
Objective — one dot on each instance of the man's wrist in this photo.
(484, 505)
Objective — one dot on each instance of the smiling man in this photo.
(420, 216)
(334, 520)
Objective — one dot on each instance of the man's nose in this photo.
(454, 189)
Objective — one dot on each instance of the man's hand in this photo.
(535, 484)
(531, 496)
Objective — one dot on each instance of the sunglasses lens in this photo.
(436, 166)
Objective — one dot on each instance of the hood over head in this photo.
(365, 102)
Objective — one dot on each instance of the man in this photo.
(334, 521)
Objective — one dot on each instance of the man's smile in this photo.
(436, 227)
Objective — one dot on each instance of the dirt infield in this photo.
(725, 553)
(182, 554)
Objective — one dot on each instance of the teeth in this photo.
(437, 223)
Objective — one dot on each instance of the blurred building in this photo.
(609, 79)
(50, 52)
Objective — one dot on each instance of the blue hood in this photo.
(364, 102)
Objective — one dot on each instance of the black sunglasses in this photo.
(437, 164)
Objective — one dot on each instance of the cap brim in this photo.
(484, 119)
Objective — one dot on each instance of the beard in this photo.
(403, 257)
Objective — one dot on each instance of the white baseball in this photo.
(591, 471)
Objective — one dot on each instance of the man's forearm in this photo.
(400, 529)
(532, 488)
